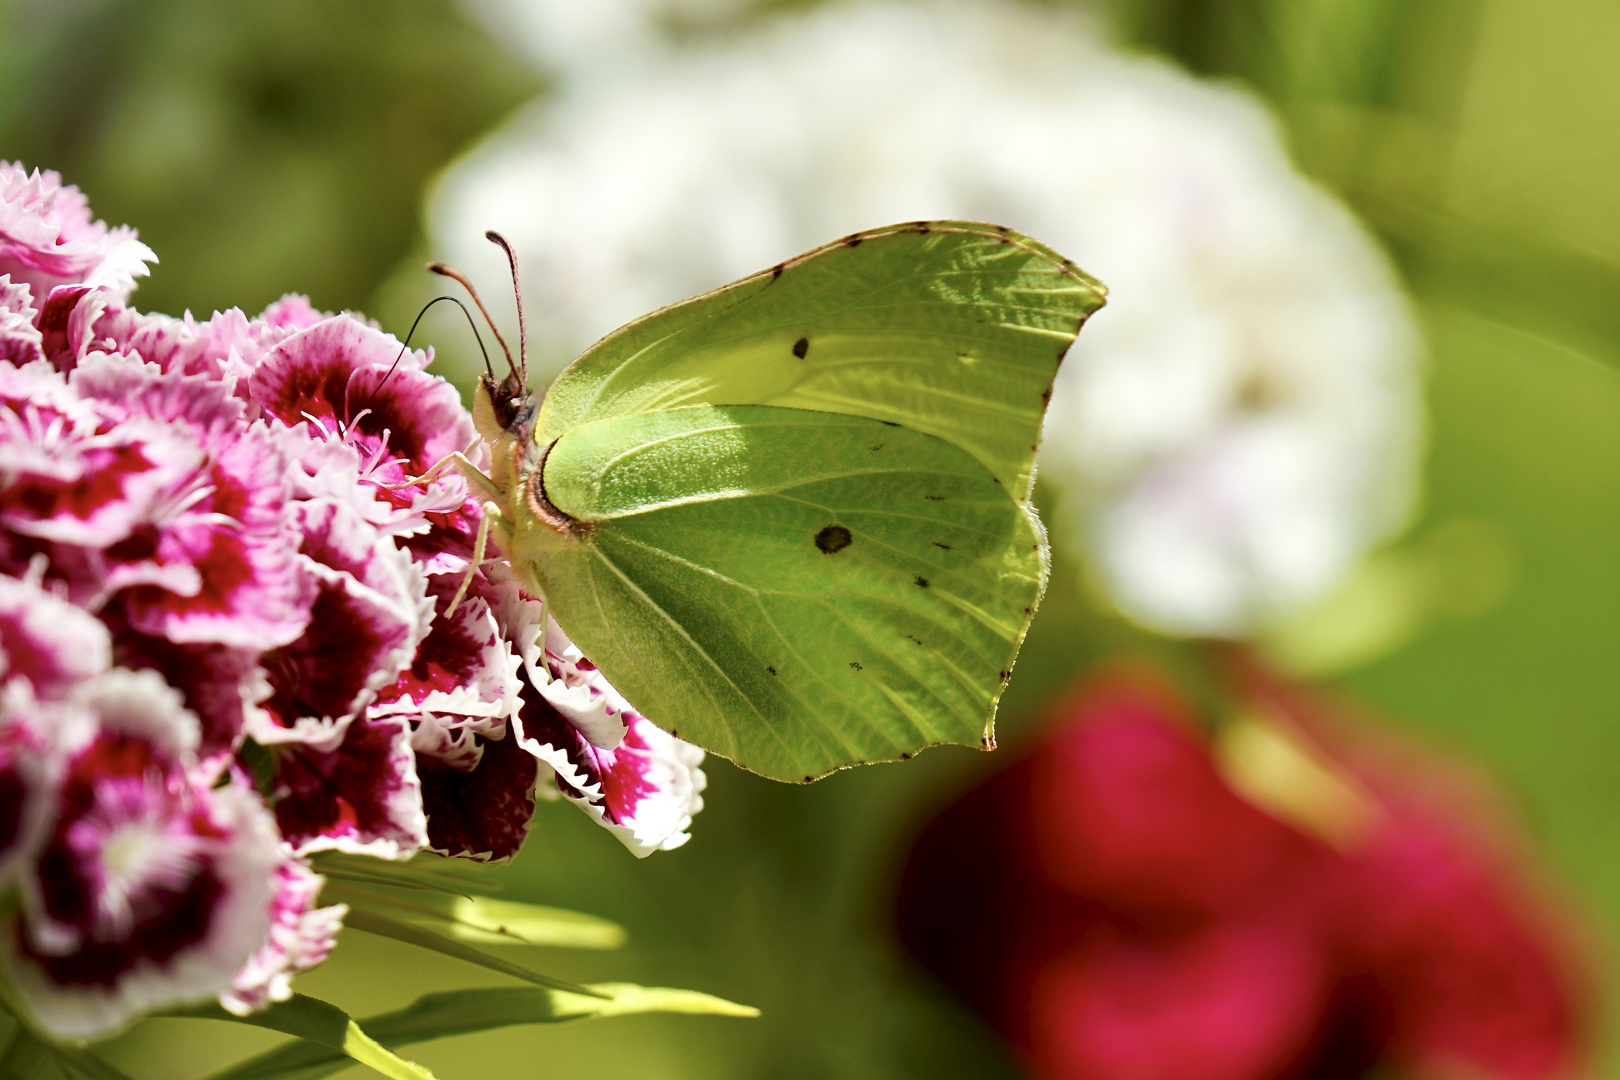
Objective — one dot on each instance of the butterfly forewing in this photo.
(951, 328)
(795, 590)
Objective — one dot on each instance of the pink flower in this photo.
(150, 887)
(46, 642)
(20, 339)
(369, 613)
(336, 375)
(48, 239)
(301, 936)
(218, 561)
(465, 672)
(69, 475)
(635, 779)
(362, 796)
(1117, 910)
(483, 811)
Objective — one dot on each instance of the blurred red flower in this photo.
(1117, 909)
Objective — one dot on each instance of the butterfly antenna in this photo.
(517, 291)
(412, 333)
(456, 275)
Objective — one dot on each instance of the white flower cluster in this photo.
(1229, 435)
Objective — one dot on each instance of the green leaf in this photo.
(492, 922)
(381, 879)
(325, 1028)
(419, 874)
(875, 608)
(23, 1056)
(462, 1012)
(372, 923)
(789, 519)
(85, 1064)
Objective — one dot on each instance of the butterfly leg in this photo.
(475, 478)
(492, 519)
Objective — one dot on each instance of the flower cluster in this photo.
(227, 637)
(1116, 909)
(1228, 436)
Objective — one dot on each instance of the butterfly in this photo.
(790, 519)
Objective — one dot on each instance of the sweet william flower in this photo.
(20, 338)
(301, 936)
(1116, 909)
(151, 886)
(47, 238)
(227, 642)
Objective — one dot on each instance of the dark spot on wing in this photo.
(922, 582)
(1001, 228)
(888, 423)
(770, 669)
(1035, 448)
(922, 227)
(809, 779)
(855, 665)
(934, 498)
(917, 640)
(987, 743)
(853, 240)
(1046, 395)
(906, 755)
(801, 347)
(1068, 262)
(1029, 611)
(833, 539)
(1004, 674)
(942, 547)
(776, 271)
(1003, 240)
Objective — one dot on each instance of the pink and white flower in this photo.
(369, 613)
(226, 637)
(640, 782)
(481, 811)
(150, 887)
(20, 340)
(48, 239)
(301, 936)
(362, 796)
(359, 386)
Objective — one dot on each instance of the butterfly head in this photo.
(501, 406)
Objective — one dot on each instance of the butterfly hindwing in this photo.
(796, 590)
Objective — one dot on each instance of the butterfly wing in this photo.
(950, 328)
(795, 590)
(801, 535)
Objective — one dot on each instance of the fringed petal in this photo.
(362, 797)
(301, 936)
(369, 613)
(151, 887)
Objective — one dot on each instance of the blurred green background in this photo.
(265, 147)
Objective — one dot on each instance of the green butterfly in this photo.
(790, 519)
